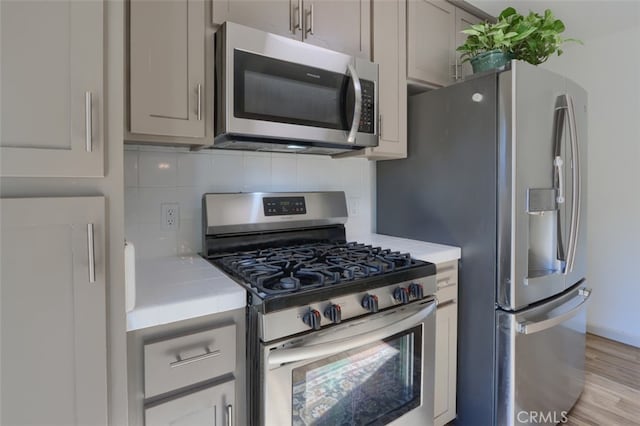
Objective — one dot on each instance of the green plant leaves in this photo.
(532, 38)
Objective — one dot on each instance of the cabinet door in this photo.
(389, 52)
(340, 25)
(210, 406)
(52, 322)
(167, 80)
(51, 88)
(430, 41)
(281, 17)
(444, 407)
(463, 21)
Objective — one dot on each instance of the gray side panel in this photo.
(445, 192)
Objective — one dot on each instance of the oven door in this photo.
(375, 370)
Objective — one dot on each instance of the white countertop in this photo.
(171, 289)
(429, 252)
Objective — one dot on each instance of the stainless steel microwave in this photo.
(278, 94)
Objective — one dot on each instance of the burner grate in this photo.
(296, 268)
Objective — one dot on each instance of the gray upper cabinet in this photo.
(53, 311)
(274, 16)
(433, 34)
(430, 41)
(463, 21)
(51, 88)
(167, 71)
(344, 26)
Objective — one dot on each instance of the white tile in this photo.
(257, 173)
(157, 169)
(130, 168)
(190, 199)
(315, 173)
(131, 205)
(194, 169)
(189, 237)
(152, 241)
(227, 172)
(284, 172)
(149, 201)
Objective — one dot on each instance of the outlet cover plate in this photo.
(170, 216)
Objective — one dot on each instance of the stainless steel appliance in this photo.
(497, 165)
(278, 94)
(338, 332)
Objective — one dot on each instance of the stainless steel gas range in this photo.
(338, 332)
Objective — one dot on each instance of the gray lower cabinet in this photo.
(53, 357)
(190, 372)
(167, 68)
(212, 405)
(444, 404)
(52, 88)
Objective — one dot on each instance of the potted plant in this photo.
(532, 38)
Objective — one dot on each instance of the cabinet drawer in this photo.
(447, 281)
(182, 361)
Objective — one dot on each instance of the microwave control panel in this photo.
(368, 114)
(282, 206)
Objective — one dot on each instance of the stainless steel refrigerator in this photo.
(497, 166)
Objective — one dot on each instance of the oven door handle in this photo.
(283, 356)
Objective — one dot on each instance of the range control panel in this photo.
(368, 115)
(281, 206)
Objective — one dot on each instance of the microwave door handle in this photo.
(282, 356)
(357, 107)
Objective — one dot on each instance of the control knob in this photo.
(416, 291)
(312, 319)
(370, 303)
(401, 295)
(333, 313)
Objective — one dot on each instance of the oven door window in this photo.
(371, 385)
(269, 89)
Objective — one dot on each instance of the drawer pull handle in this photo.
(207, 355)
(444, 281)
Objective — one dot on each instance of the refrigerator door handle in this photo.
(528, 327)
(558, 163)
(576, 187)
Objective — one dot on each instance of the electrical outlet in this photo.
(170, 216)
(354, 206)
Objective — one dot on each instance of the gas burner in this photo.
(292, 269)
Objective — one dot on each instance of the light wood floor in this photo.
(611, 394)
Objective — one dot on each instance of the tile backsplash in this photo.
(157, 175)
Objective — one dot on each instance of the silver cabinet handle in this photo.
(357, 108)
(199, 107)
(380, 125)
(88, 124)
(534, 327)
(180, 362)
(576, 186)
(295, 23)
(229, 415)
(92, 254)
(309, 30)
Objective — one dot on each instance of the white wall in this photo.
(608, 67)
(156, 175)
